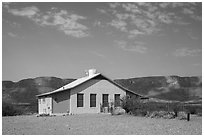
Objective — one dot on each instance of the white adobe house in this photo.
(90, 94)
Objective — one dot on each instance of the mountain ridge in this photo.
(162, 87)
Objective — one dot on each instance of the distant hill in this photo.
(25, 91)
(167, 88)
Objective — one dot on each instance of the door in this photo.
(49, 105)
(117, 100)
(105, 104)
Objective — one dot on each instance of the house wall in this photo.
(61, 102)
(97, 87)
(45, 105)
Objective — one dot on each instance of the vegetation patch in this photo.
(9, 110)
(138, 107)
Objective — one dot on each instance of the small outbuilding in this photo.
(94, 93)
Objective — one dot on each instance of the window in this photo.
(80, 100)
(105, 100)
(39, 101)
(117, 100)
(92, 100)
(43, 100)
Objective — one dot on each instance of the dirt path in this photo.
(99, 124)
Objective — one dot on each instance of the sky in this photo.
(119, 40)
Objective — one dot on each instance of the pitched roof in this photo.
(71, 85)
(82, 80)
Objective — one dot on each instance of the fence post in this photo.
(188, 116)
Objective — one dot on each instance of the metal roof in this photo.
(82, 80)
(71, 85)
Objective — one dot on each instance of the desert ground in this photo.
(99, 124)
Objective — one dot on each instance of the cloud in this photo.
(12, 34)
(183, 52)
(197, 64)
(134, 33)
(131, 7)
(75, 33)
(171, 83)
(12, 24)
(144, 18)
(164, 5)
(165, 18)
(198, 18)
(5, 4)
(177, 4)
(102, 11)
(27, 11)
(191, 13)
(98, 54)
(68, 23)
(181, 22)
(114, 5)
(137, 21)
(62, 20)
(122, 16)
(190, 34)
(137, 47)
(187, 11)
(97, 23)
(119, 24)
(145, 4)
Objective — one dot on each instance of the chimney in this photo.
(90, 72)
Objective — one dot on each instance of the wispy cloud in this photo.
(164, 5)
(68, 23)
(26, 12)
(188, 11)
(12, 34)
(5, 5)
(192, 36)
(114, 5)
(143, 18)
(197, 64)
(191, 13)
(183, 52)
(119, 24)
(131, 7)
(101, 11)
(98, 54)
(144, 21)
(137, 46)
(12, 24)
(60, 19)
(135, 33)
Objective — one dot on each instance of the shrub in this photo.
(140, 112)
(9, 110)
(118, 111)
(43, 115)
(193, 109)
(138, 107)
(182, 115)
(134, 106)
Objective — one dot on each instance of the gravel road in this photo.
(98, 124)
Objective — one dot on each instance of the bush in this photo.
(140, 112)
(9, 110)
(182, 115)
(138, 107)
(118, 111)
(43, 115)
(193, 109)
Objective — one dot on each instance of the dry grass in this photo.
(99, 124)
